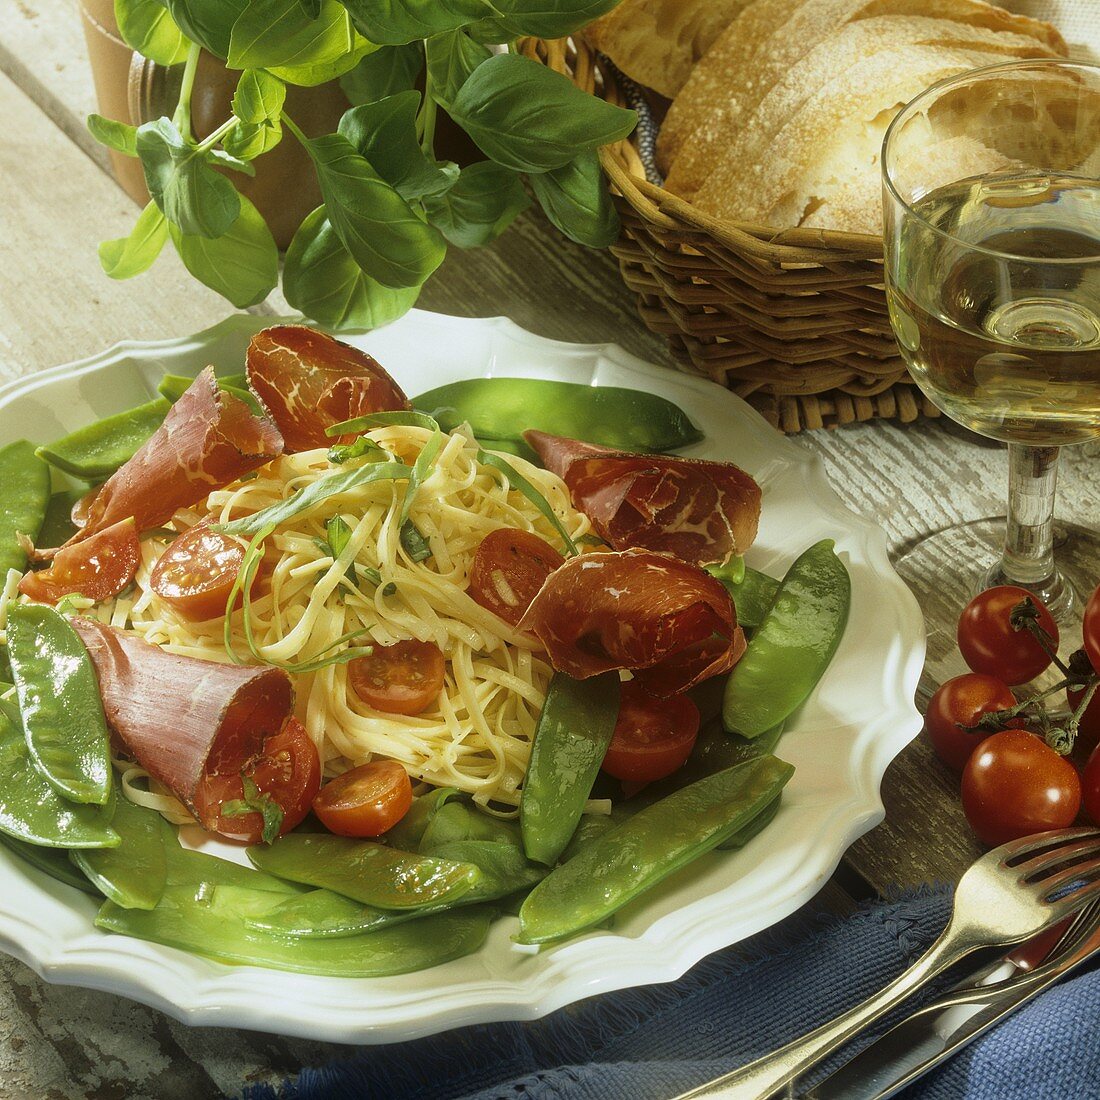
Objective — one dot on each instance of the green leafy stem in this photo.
(390, 207)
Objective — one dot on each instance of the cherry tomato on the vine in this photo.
(365, 801)
(1091, 628)
(653, 737)
(1088, 730)
(1014, 785)
(961, 702)
(991, 645)
(1090, 787)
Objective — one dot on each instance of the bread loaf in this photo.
(656, 42)
(761, 47)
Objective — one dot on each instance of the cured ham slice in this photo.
(670, 623)
(309, 381)
(699, 511)
(208, 439)
(184, 720)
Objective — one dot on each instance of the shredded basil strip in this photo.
(414, 542)
(402, 418)
(256, 801)
(363, 447)
(339, 535)
(314, 494)
(253, 555)
(420, 471)
(529, 491)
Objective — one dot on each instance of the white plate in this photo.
(857, 721)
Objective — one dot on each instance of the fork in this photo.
(1011, 894)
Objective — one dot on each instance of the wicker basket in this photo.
(793, 321)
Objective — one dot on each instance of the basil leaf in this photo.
(339, 535)
(207, 22)
(451, 58)
(220, 158)
(312, 8)
(259, 97)
(384, 132)
(388, 70)
(241, 265)
(322, 279)
(542, 20)
(147, 27)
(576, 200)
(119, 136)
(486, 199)
(380, 230)
(129, 256)
(249, 140)
(528, 118)
(189, 192)
(395, 22)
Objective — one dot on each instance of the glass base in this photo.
(946, 569)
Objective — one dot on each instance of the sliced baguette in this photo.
(833, 140)
(744, 142)
(735, 76)
(656, 42)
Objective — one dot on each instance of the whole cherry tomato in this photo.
(1091, 628)
(1014, 784)
(961, 702)
(991, 645)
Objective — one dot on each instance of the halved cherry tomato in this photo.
(1014, 785)
(404, 678)
(992, 646)
(287, 770)
(197, 571)
(653, 737)
(99, 567)
(366, 801)
(1091, 628)
(960, 702)
(508, 569)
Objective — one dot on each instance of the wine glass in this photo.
(991, 198)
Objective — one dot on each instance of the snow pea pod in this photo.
(322, 914)
(210, 920)
(792, 647)
(32, 811)
(94, 452)
(752, 595)
(60, 703)
(135, 873)
(571, 740)
(55, 862)
(408, 832)
(58, 526)
(365, 871)
(504, 408)
(194, 869)
(26, 483)
(648, 847)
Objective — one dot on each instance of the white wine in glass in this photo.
(991, 184)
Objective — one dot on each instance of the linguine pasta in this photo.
(309, 603)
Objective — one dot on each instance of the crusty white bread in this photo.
(832, 139)
(743, 141)
(761, 47)
(656, 42)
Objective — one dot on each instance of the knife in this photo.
(934, 1033)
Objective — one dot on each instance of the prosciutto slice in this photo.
(699, 511)
(182, 719)
(207, 440)
(668, 622)
(309, 381)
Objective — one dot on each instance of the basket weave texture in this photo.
(794, 321)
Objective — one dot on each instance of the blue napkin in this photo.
(654, 1042)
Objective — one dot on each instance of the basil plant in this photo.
(391, 207)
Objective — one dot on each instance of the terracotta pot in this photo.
(133, 89)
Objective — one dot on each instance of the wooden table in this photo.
(58, 200)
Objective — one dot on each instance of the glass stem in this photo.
(1029, 533)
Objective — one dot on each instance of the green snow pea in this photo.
(94, 452)
(59, 700)
(648, 847)
(26, 485)
(194, 869)
(365, 871)
(135, 873)
(455, 821)
(58, 526)
(322, 914)
(753, 827)
(504, 868)
(793, 646)
(752, 595)
(210, 920)
(408, 832)
(55, 862)
(32, 811)
(504, 408)
(571, 739)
